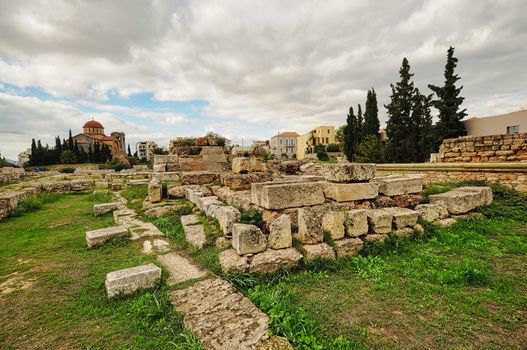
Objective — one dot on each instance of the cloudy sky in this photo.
(246, 69)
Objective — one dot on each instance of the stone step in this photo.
(195, 235)
(128, 281)
(220, 316)
(179, 268)
(99, 237)
(103, 208)
(189, 220)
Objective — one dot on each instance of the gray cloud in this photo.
(273, 65)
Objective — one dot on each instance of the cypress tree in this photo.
(350, 135)
(33, 157)
(448, 103)
(90, 153)
(58, 150)
(360, 124)
(96, 153)
(129, 152)
(70, 142)
(371, 115)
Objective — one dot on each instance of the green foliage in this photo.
(5, 163)
(67, 170)
(32, 204)
(371, 115)
(119, 166)
(68, 157)
(252, 217)
(266, 156)
(322, 156)
(333, 147)
(370, 150)
(319, 147)
(220, 140)
(351, 135)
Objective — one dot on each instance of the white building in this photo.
(145, 149)
(24, 157)
(283, 145)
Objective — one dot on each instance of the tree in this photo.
(340, 134)
(220, 140)
(68, 157)
(129, 151)
(371, 115)
(70, 141)
(360, 124)
(370, 150)
(423, 118)
(58, 150)
(351, 135)
(448, 103)
(90, 154)
(33, 159)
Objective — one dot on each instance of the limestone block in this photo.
(375, 237)
(318, 251)
(204, 202)
(356, 222)
(280, 235)
(271, 260)
(128, 281)
(231, 262)
(342, 192)
(348, 246)
(405, 232)
(380, 220)
(98, 237)
(403, 217)
(103, 208)
(291, 195)
(191, 219)
(464, 199)
(432, 212)
(227, 216)
(395, 185)
(82, 185)
(348, 172)
(309, 226)
(160, 159)
(180, 269)
(155, 191)
(195, 235)
(333, 223)
(248, 239)
(211, 210)
(177, 192)
(199, 177)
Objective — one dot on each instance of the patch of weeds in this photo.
(32, 204)
(100, 196)
(252, 217)
(369, 267)
(471, 273)
(135, 197)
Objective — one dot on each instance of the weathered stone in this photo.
(394, 185)
(155, 191)
(318, 251)
(403, 217)
(275, 343)
(129, 281)
(226, 217)
(82, 185)
(204, 202)
(350, 192)
(199, 177)
(333, 224)
(98, 237)
(356, 222)
(309, 226)
(446, 222)
(241, 165)
(404, 232)
(248, 239)
(195, 235)
(179, 268)
(177, 192)
(161, 246)
(432, 212)
(348, 246)
(419, 230)
(272, 260)
(231, 262)
(348, 172)
(158, 212)
(193, 195)
(380, 220)
(223, 243)
(280, 235)
(220, 316)
(288, 195)
(239, 182)
(191, 219)
(375, 237)
(464, 199)
(407, 200)
(101, 209)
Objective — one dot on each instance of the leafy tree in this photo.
(340, 134)
(448, 103)
(351, 135)
(319, 147)
(370, 150)
(333, 147)
(220, 140)
(322, 155)
(422, 116)
(371, 115)
(68, 157)
(160, 151)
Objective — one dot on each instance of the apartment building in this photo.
(283, 145)
(145, 149)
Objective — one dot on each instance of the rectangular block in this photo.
(395, 185)
(98, 237)
(464, 199)
(342, 192)
(128, 281)
(248, 239)
(348, 172)
(191, 219)
(356, 222)
(103, 208)
(380, 220)
(291, 195)
(403, 217)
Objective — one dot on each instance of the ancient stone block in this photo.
(280, 235)
(309, 226)
(348, 172)
(291, 195)
(380, 220)
(128, 281)
(403, 217)
(350, 192)
(356, 222)
(82, 185)
(179, 268)
(103, 208)
(177, 192)
(155, 191)
(348, 246)
(98, 237)
(464, 199)
(318, 251)
(432, 212)
(231, 262)
(396, 185)
(199, 177)
(226, 217)
(195, 235)
(241, 165)
(248, 239)
(204, 202)
(191, 219)
(271, 260)
(333, 224)
(239, 182)
(404, 232)
(375, 237)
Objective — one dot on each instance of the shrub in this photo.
(370, 150)
(319, 147)
(333, 147)
(267, 156)
(67, 170)
(323, 156)
(120, 166)
(252, 217)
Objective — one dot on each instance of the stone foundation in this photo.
(495, 148)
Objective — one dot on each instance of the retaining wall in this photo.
(494, 148)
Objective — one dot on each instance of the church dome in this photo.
(93, 124)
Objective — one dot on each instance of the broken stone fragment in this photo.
(231, 262)
(333, 224)
(280, 235)
(403, 217)
(103, 208)
(248, 239)
(464, 199)
(128, 281)
(380, 220)
(195, 235)
(272, 260)
(348, 246)
(155, 191)
(318, 251)
(432, 212)
(394, 185)
(227, 216)
(309, 226)
(348, 172)
(99, 237)
(191, 219)
(356, 222)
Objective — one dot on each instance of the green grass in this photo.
(64, 305)
(460, 287)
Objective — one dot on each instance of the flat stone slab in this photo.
(101, 209)
(179, 268)
(99, 237)
(195, 235)
(350, 192)
(464, 199)
(191, 219)
(348, 172)
(220, 316)
(289, 195)
(130, 280)
(394, 185)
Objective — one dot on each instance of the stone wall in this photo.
(495, 148)
(511, 175)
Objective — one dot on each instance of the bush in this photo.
(323, 156)
(333, 147)
(370, 150)
(67, 170)
(120, 166)
(252, 217)
(319, 147)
